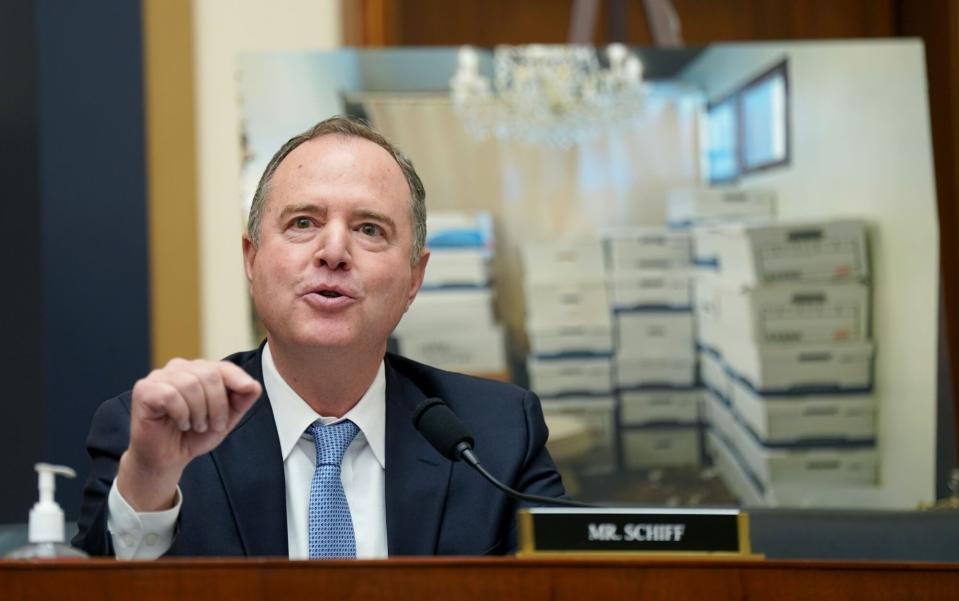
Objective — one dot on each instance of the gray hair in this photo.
(348, 127)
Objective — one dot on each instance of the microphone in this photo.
(448, 434)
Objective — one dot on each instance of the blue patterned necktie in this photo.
(331, 527)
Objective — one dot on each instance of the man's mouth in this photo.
(333, 293)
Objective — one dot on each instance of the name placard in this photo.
(633, 530)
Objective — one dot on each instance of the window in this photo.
(749, 129)
(723, 153)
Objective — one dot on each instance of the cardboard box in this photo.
(851, 464)
(567, 301)
(448, 308)
(706, 244)
(599, 415)
(805, 418)
(457, 267)
(471, 351)
(707, 309)
(661, 447)
(459, 230)
(817, 495)
(552, 340)
(660, 288)
(575, 376)
(807, 367)
(655, 371)
(563, 260)
(810, 251)
(646, 407)
(690, 206)
(714, 375)
(648, 248)
(654, 334)
(806, 313)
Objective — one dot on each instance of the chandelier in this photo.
(555, 96)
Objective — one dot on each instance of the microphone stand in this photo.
(465, 452)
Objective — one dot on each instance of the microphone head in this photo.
(441, 427)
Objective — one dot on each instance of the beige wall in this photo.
(223, 29)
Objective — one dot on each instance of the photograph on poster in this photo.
(721, 280)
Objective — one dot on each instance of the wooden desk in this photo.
(485, 579)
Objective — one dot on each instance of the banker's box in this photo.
(467, 350)
(646, 407)
(570, 376)
(804, 313)
(679, 372)
(563, 260)
(847, 464)
(793, 419)
(567, 301)
(648, 248)
(554, 339)
(706, 308)
(661, 446)
(691, 206)
(651, 288)
(654, 334)
(599, 415)
(448, 308)
(714, 375)
(751, 492)
(821, 251)
(457, 267)
(783, 368)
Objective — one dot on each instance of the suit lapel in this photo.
(417, 476)
(250, 464)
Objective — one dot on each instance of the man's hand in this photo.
(179, 412)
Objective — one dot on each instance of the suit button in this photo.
(151, 539)
(127, 540)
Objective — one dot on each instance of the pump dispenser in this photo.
(46, 530)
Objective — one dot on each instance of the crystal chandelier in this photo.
(548, 95)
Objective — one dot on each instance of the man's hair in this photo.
(352, 128)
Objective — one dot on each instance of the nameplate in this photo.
(659, 531)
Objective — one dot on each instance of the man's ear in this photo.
(249, 256)
(419, 272)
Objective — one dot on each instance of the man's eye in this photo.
(302, 223)
(371, 229)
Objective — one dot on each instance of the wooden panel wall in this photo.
(491, 22)
(937, 23)
(486, 23)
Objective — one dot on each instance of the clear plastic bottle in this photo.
(46, 530)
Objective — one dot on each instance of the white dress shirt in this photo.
(148, 535)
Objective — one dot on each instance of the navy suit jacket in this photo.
(234, 498)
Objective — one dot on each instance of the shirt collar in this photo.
(293, 415)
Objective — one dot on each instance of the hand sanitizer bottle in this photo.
(46, 521)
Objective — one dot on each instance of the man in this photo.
(304, 447)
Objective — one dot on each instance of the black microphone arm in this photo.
(448, 434)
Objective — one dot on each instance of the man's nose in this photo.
(333, 251)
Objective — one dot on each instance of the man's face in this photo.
(332, 268)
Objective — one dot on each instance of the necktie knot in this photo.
(332, 441)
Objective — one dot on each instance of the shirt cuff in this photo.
(140, 535)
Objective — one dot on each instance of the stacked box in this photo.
(690, 207)
(702, 211)
(570, 337)
(787, 357)
(451, 324)
(654, 363)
